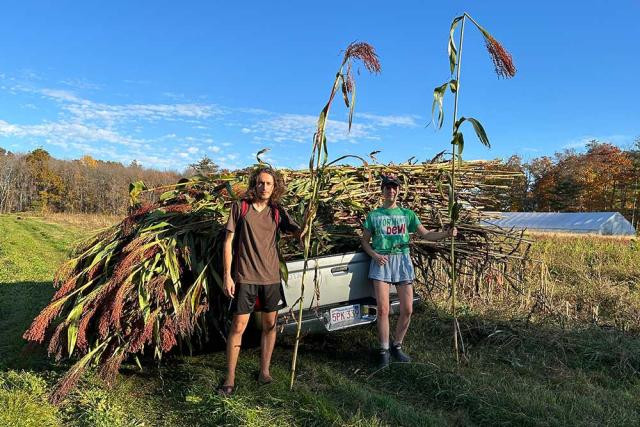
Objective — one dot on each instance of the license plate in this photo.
(344, 314)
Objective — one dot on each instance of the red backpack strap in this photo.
(244, 208)
(276, 214)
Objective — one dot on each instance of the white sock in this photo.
(384, 346)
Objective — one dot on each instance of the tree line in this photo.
(602, 178)
(35, 181)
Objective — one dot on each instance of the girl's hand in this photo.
(380, 259)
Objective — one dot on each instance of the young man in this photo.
(254, 283)
(391, 264)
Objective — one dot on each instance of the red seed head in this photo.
(502, 60)
(168, 335)
(81, 340)
(366, 53)
(109, 369)
(67, 287)
(66, 383)
(39, 325)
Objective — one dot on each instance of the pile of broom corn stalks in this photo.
(152, 283)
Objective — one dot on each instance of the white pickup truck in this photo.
(347, 298)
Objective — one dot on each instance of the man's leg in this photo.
(405, 295)
(267, 342)
(238, 325)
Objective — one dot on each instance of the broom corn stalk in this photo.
(504, 67)
(318, 162)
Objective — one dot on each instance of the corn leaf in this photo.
(345, 92)
(453, 51)
(353, 103)
(477, 127)
(438, 98)
(135, 189)
(72, 329)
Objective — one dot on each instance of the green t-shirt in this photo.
(390, 229)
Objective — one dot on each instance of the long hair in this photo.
(278, 185)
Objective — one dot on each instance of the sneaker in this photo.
(383, 358)
(398, 354)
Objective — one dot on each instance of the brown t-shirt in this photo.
(256, 255)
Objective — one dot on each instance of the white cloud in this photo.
(300, 128)
(391, 120)
(61, 95)
(192, 150)
(64, 131)
(214, 148)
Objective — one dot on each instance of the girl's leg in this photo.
(405, 294)
(382, 299)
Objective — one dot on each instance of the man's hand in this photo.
(380, 259)
(229, 287)
(299, 235)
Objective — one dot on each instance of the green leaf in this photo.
(477, 127)
(259, 153)
(439, 186)
(458, 141)
(438, 98)
(72, 329)
(455, 212)
(353, 103)
(453, 52)
(168, 195)
(135, 189)
(480, 132)
(137, 360)
(345, 94)
(325, 150)
(451, 199)
(453, 85)
(284, 272)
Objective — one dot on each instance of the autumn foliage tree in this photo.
(36, 181)
(602, 178)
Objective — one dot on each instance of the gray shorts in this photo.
(398, 270)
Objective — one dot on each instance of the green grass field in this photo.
(517, 373)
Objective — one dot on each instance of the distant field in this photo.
(572, 370)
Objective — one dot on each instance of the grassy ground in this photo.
(517, 373)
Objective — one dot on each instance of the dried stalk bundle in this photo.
(140, 286)
(144, 285)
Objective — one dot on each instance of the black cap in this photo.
(389, 180)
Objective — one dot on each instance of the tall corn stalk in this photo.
(319, 159)
(504, 67)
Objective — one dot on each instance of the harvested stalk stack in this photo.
(146, 284)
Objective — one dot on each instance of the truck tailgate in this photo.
(341, 278)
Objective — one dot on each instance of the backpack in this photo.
(244, 208)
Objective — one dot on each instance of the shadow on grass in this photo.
(20, 303)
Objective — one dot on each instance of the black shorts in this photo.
(249, 298)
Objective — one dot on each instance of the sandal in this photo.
(226, 390)
(264, 380)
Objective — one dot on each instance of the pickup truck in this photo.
(347, 298)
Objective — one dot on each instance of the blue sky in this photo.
(166, 82)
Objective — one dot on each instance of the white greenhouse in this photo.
(604, 223)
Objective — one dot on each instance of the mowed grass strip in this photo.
(516, 374)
